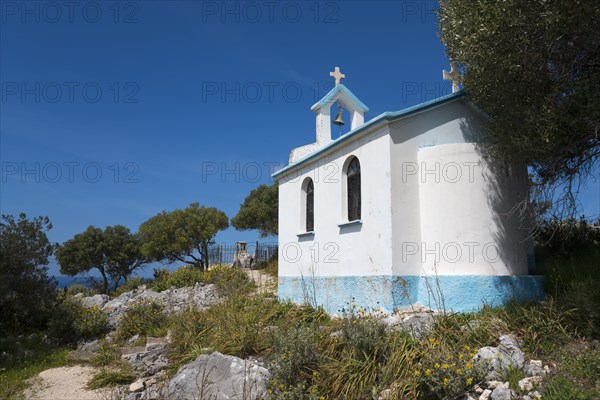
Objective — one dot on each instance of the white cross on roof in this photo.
(337, 75)
(452, 76)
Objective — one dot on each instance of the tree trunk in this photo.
(116, 285)
(205, 256)
(104, 280)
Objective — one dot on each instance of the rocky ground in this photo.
(223, 377)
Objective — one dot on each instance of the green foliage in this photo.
(543, 327)
(259, 211)
(533, 67)
(360, 359)
(567, 251)
(583, 298)
(123, 252)
(111, 377)
(108, 354)
(578, 371)
(271, 267)
(512, 375)
(228, 280)
(90, 322)
(361, 330)
(184, 276)
(233, 327)
(565, 237)
(445, 369)
(237, 326)
(560, 388)
(26, 293)
(182, 235)
(129, 285)
(76, 288)
(71, 321)
(145, 317)
(114, 252)
(295, 358)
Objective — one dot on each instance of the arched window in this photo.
(310, 206)
(353, 186)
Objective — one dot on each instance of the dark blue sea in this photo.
(65, 281)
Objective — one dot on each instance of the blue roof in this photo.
(386, 116)
(329, 96)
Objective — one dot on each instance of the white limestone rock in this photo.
(98, 300)
(506, 355)
(501, 393)
(219, 377)
(530, 383)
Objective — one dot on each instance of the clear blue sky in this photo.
(112, 112)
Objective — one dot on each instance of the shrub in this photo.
(361, 329)
(77, 288)
(108, 354)
(27, 294)
(582, 298)
(145, 317)
(111, 377)
(354, 356)
(71, 321)
(89, 322)
(445, 369)
(238, 326)
(184, 276)
(271, 267)
(131, 284)
(295, 355)
(229, 280)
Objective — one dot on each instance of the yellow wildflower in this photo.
(427, 372)
(436, 365)
(445, 381)
(445, 366)
(469, 381)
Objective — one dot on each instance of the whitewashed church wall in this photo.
(354, 250)
(468, 230)
(459, 205)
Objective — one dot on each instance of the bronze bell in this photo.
(339, 119)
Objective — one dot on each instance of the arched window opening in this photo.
(353, 185)
(310, 207)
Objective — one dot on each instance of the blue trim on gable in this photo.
(338, 88)
(388, 116)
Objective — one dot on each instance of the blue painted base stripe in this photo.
(456, 293)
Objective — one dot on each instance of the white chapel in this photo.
(401, 210)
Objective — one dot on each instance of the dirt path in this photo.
(265, 283)
(65, 383)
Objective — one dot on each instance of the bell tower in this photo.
(343, 97)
